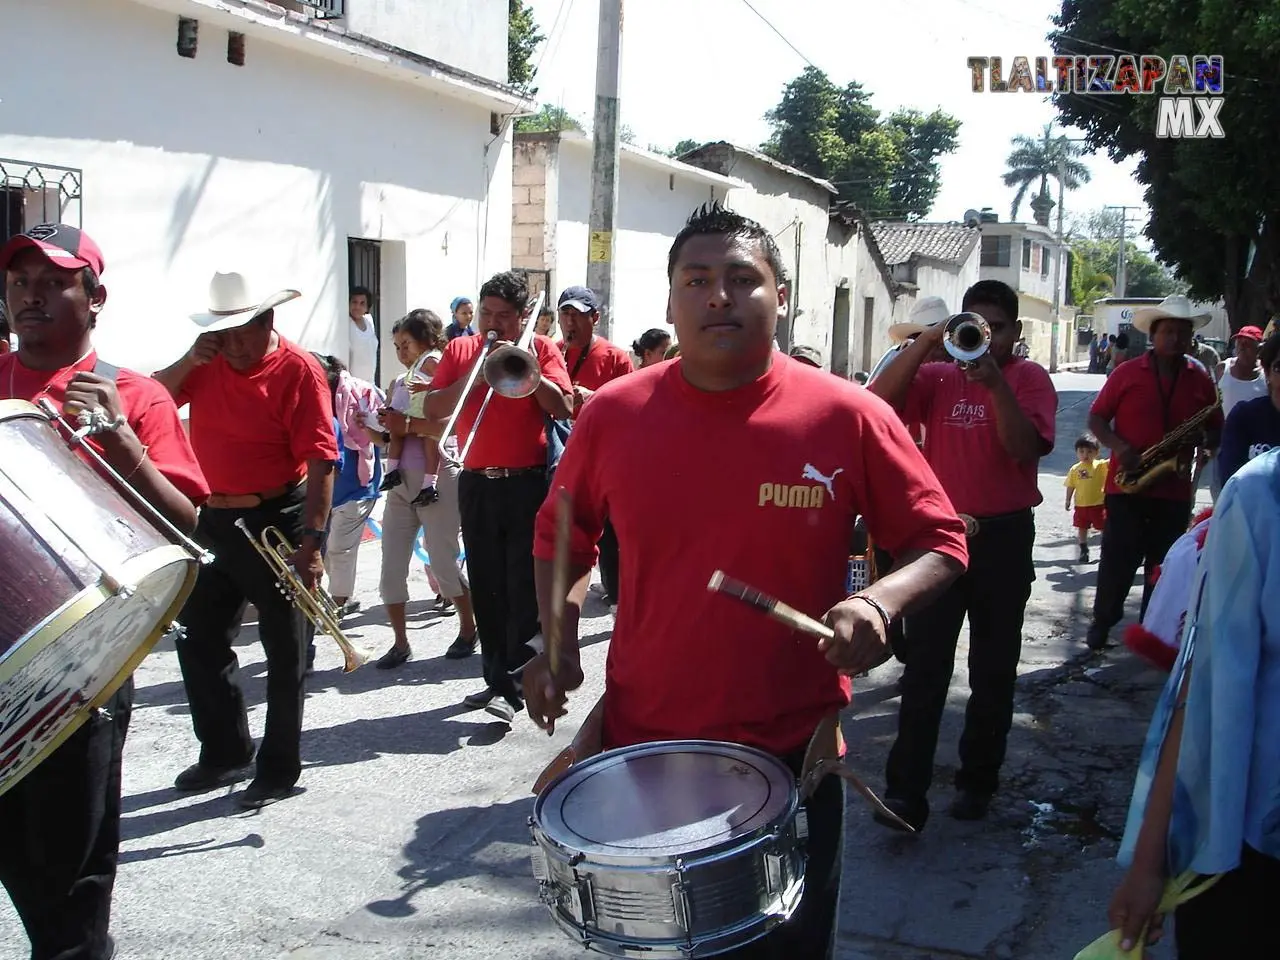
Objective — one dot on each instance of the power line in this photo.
(781, 36)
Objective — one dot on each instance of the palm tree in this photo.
(1037, 160)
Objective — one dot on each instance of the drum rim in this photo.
(13, 408)
(559, 849)
(88, 600)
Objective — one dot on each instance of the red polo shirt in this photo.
(256, 430)
(150, 410)
(1142, 409)
(764, 482)
(961, 441)
(513, 432)
(603, 361)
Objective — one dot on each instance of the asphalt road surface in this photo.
(410, 839)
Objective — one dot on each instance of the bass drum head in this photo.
(79, 657)
(665, 800)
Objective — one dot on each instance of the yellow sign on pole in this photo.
(601, 248)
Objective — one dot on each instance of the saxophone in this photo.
(1167, 455)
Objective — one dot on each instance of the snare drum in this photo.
(676, 849)
(87, 587)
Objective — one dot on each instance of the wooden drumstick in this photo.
(770, 606)
(559, 578)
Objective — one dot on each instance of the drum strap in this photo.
(106, 370)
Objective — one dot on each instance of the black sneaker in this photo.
(390, 481)
(395, 657)
(1084, 554)
(504, 710)
(259, 794)
(480, 699)
(1096, 639)
(427, 497)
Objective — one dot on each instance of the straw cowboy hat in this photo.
(928, 312)
(1176, 307)
(232, 305)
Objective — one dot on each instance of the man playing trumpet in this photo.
(503, 482)
(262, 428)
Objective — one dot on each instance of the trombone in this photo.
(510, 370)
(315, 604)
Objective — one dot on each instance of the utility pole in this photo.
(1120, 255)
(604, 161)
(1057, 282)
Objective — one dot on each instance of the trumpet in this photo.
(510, 370)
(315, 604)
(968, 337)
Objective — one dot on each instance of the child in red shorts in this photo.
(1087, 481)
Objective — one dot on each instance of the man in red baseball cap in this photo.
(62, 820)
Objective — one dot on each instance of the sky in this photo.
(710, 69)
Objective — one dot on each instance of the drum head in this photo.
(77, 659)
(665, 800)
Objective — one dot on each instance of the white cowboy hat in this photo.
(1176, 307)
(928, 312)
(231, 305)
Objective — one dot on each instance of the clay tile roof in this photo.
(948, 242)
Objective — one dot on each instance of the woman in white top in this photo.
(362, 336)
(1239, 378)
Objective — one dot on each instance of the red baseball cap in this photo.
(64, 246)
(1249, 333)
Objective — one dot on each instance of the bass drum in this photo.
(88, 585)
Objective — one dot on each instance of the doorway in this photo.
(364, 269)
(868, 329)
(840, 331)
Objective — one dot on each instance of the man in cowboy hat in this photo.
(927, 312)
(262, 427)
(1142, 401)
(62, 820)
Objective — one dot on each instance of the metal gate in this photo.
(34, 193)
(364, 269)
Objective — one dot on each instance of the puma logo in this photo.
(811, 473)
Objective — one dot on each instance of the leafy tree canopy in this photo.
(1215, 204)
(888, 166)
(548, 119)
(522, 40)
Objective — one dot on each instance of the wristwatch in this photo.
(312, 532)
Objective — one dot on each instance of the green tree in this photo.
(549, 119)
(683, 147)
(522, 40)
(1215, 203)
(886, 165)
(1034, 161)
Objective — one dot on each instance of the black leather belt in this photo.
(501, 473)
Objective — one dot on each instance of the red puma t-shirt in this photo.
(962, 444)
(763, 482)
(150, 410)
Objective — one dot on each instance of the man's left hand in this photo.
(308, 564)
(580, 396)
(860, 641)
(87, 392)
(985, 371)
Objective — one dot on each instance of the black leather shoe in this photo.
(970, 805)
(461, 648)
(259, 794)
(914, 812)
(480, 699)
(198, 776)
(393, 658)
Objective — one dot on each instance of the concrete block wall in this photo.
(533, 203)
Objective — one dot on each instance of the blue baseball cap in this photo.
(582, 299)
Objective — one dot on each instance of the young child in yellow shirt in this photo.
(1087, 480)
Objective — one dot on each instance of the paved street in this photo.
(410, 837)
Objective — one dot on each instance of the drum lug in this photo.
(541, 872)
(680, 900)
(802, 824)
(773, 864)
(581, 900)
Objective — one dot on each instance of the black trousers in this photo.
(1236, 909)
(993, 592)
(212, 617)
(810, 933)
(497, 529)
(62, 838)
(884, 563)
(1139, 531)
(609, 562)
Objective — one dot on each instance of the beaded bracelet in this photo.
(885, 619)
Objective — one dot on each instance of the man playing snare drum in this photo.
(760, 466)
(62, 820)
